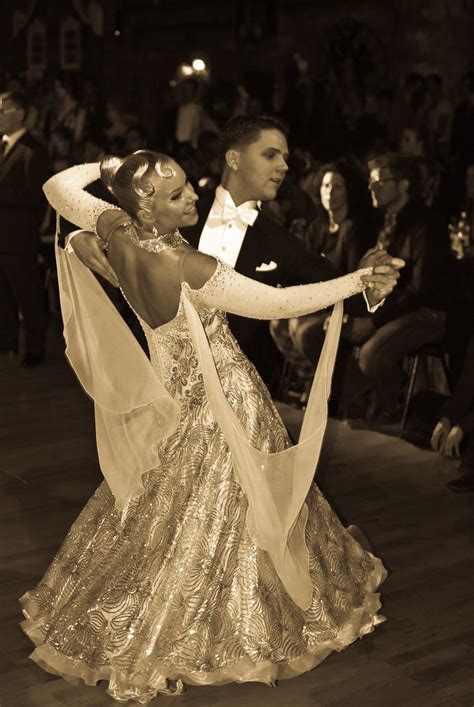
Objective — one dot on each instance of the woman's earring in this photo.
(154, 231)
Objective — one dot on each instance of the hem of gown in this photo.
(169, 680)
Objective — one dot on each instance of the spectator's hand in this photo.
(440, 433)
(359, 330)
(451, 446)
(90, 251)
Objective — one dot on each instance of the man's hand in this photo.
(440, 433)
(90, 251)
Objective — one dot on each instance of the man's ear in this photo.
(404, 186)
(232, 158)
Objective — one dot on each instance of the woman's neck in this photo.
(336, 217)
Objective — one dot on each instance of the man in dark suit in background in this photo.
(232, 227)
(24, 167)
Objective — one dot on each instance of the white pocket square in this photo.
(266, 267)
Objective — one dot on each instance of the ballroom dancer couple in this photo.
(207, 555)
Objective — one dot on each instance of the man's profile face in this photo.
(262, 165)
(11, 116)
(383, 186)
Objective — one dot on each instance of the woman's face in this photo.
(174, 204)
(333, 191)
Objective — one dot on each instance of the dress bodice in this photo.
(170, 345)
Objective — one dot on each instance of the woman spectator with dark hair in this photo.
(340, 232)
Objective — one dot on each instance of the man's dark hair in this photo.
(401, 167)
(19, 100)
(242, 130)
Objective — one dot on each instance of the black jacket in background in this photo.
(423, 280)
(23, 171)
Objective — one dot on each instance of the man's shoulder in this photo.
(271, 228)
(32, 143)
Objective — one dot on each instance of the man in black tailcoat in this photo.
(24, 167)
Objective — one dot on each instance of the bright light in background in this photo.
(199, 65)
(185, 70)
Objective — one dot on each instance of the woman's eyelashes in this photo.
(179, 194)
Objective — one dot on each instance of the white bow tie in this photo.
(245, 214)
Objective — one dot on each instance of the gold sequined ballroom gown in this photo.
(175, 590)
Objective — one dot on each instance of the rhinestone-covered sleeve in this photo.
(65, 192)
(237, 294)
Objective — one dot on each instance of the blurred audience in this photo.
(359, 123)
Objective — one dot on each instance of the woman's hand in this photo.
(90, 251)
(440, 433)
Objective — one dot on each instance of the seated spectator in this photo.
(93, 146)
(440, 118)
(414, 141)
(191, 116)
(462, 136)
(207, 163)
(413, 315)
(453, 435)
(60, 149)
(115, 123)
(135, 139)
(336, 233)
(67, 111)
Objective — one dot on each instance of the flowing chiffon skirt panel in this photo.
(174, 588)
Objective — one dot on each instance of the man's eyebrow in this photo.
(277, 149)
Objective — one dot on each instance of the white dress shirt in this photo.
(10, 140)
(226, 226)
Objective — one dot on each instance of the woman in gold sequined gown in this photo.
(172, 587)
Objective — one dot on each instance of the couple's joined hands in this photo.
(91, 252)
(384, 276)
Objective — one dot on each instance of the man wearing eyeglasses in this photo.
(24, 167)
(413, 315)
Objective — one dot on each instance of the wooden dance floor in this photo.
(422, 656)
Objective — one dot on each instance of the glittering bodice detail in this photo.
(171, 349)
(157, 244)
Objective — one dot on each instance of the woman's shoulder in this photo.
(110, 219)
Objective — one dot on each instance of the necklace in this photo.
(159, 242)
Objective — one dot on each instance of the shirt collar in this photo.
(11, 139)
(223, 197)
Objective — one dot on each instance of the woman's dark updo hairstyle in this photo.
(129, 178)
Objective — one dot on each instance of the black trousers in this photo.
(21, 290)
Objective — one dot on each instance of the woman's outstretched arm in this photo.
(212, 283)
